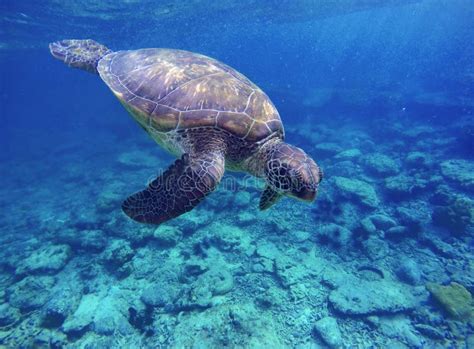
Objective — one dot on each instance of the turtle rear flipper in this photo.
(82, 54)
(178, 190)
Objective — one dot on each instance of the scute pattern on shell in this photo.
(169, 90)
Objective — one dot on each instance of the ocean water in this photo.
(380, 93)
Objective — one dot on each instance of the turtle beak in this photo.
(57, 50)
(304, 194)
(307, 195)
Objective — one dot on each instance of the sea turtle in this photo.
(204, 112)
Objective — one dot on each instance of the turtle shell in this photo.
(168, 89)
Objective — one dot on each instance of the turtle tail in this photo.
(82, 54)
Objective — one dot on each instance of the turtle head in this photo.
(291, 172)
(82, 54)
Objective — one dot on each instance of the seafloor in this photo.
(384, 257)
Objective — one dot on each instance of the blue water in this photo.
(379, 93)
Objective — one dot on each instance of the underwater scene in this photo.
(237, 174)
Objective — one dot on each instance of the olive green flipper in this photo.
(178, 190)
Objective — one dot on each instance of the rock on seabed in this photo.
(459, 171)
(360, 190)
(49, 259)
(371, 297)
(328, 330)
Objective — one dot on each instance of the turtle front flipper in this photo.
(82, 54)
(268, 198)
(178, 190)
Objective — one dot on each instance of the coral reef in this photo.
(347, 271)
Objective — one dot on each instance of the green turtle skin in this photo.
(204, 112)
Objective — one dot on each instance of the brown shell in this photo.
(172, 89)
